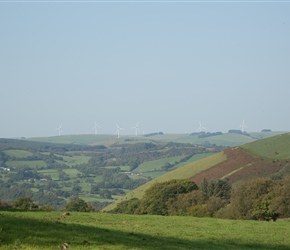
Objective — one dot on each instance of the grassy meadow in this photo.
(31, 164)
(47, 230)
(18, 153)
(156, 164)
(276, 147)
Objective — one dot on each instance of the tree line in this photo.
(25, 203)
(256, 199)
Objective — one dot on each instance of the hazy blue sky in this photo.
(168, 65)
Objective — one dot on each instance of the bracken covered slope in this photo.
(262, 158)
(241, 165)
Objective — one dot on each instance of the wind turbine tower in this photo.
(243, 126)
(59, 130)
(95, 128)
(201, 128)
(136, 129)
(118, 130)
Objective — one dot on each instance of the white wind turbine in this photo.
(200, 128)
(136, 129)
(95, 128)
(243, 126)
(59, 129)
(118, 130)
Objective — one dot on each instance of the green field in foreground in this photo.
(48, 230)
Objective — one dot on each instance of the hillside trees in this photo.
(258, 199)
(212, 195)
(112, 178)
(180, 197)
(62, 175)
(127, 206)
(250, 200)
(157, 198)
(50, 198)
(217, 188)
(3, 159)
(183, 202)
(10, 193)
(24, 173)
(280, 198)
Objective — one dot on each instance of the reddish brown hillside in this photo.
(240, 165)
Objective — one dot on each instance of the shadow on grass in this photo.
(44, 234)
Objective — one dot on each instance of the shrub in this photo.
(4, 205)
(198, 211)
(127, 207)
(24, 203)
(79, 205)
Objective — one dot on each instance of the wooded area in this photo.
(257, 199)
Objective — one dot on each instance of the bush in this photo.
(248, 199)
(183, 202)
(198, 211)
(225, 213)
(79, 205)
(214, 204)
(127, 207)
(4, 205)
(24, 203)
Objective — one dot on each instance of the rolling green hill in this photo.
(102, 168)
(261, 158)
(88, 139)
(277, 147)
(225, 139)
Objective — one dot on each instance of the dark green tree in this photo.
(183, 202)
(217, 188)
(106, 194)
(24, 203)
(250, 200)
(79, 205)
(155, 199)
(4, 205)
(280, 198)
(127, 207)
(94, 189)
